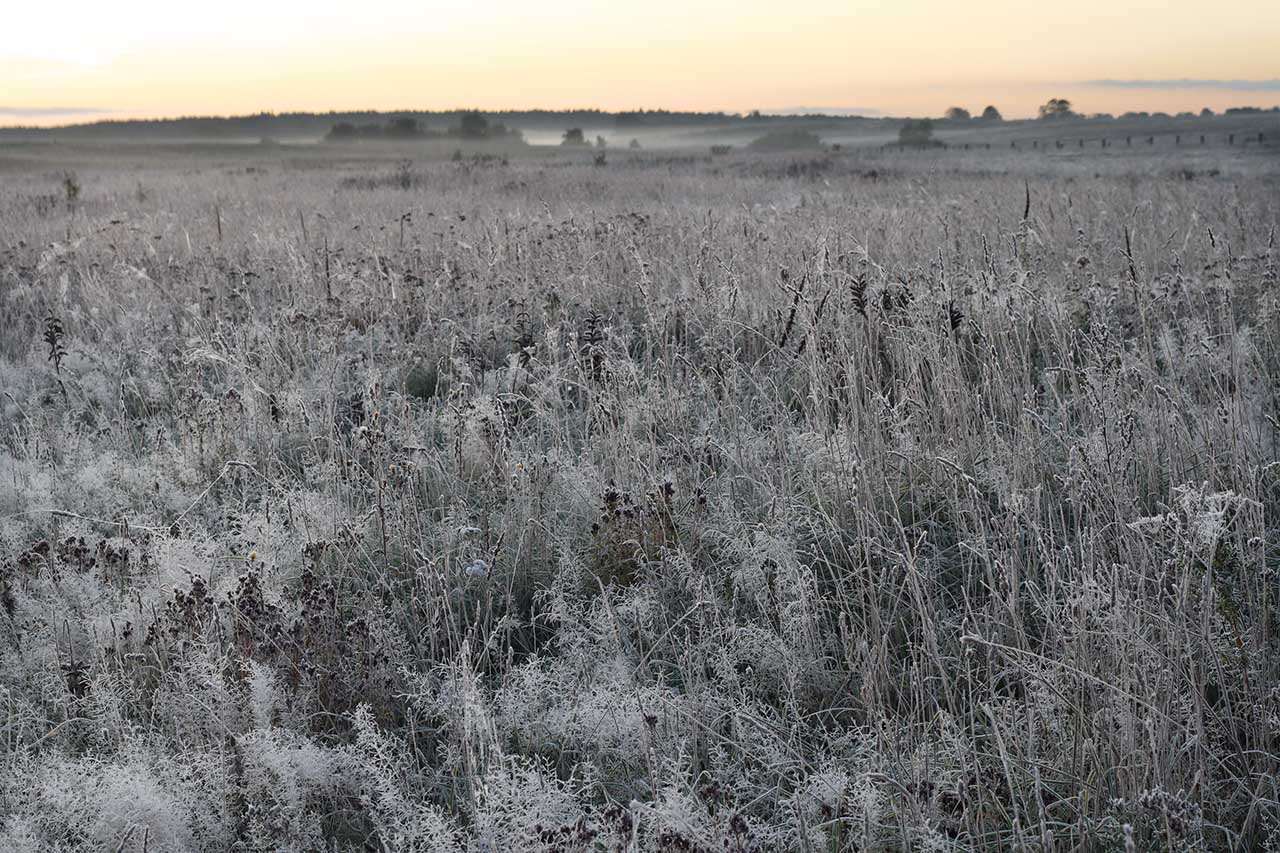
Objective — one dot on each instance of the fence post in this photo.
(1231, 139)
(1151, 140)
(1128, 140)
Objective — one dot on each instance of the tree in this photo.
(601, 142)
(1056, 108)
(343, 131)
(957, 114)
(991, 114)
(1206, 113)
(473, 125)
(635, 143)
(916, 133)
(405, 127)
(573, 136)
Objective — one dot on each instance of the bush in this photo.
(917, 133)
(473, 125)
(786, 140)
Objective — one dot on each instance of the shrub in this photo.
(918, 133)
(786, 140)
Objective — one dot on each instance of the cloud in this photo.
(1190, 83)
(52, 111)
(47, 68)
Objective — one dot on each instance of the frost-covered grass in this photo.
(746, 504)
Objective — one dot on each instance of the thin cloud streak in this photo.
(1190, 83)
(52, 111)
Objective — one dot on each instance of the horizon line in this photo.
(842, 113)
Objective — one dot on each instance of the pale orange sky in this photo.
(909, 57)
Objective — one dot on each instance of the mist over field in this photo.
(896, 474)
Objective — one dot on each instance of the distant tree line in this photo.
(1061, 108)
(471, 125)
(370, 124)
(667, 118)
(317, 125)
(1056, 109)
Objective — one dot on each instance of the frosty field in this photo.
(796, 502)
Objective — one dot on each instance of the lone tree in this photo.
(916, 133)
(573, 136)
(957, 114)
(991, 114)
(1056, 108)
(1206, 113)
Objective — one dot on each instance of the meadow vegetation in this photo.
(863, 501)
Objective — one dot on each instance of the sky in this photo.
(68, 60)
